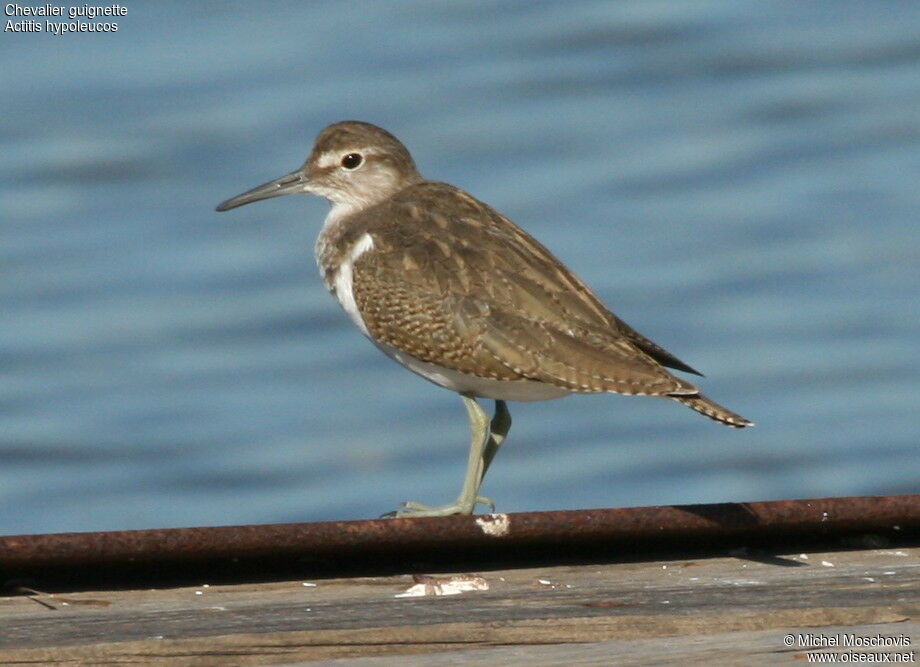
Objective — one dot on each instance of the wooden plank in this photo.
(766, 647)
(534, 607)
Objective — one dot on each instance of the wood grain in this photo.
(587, 608)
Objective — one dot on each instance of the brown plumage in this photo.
(462, 296)
(452, 282)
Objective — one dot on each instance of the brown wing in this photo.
(466, 289)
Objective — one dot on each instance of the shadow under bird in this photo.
(460, 295)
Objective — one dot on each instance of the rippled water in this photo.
(737, 180)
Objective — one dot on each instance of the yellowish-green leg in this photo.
(498, 430)
(486, 436)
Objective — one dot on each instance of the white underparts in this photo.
(343, 284)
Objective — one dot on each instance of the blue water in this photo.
(737, 180)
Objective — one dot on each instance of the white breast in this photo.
(343, 285)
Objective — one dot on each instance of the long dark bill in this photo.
(286, 185)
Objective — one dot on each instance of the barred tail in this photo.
(712, 410)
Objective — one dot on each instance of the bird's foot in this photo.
(411, 509)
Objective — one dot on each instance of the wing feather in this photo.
(473, 292)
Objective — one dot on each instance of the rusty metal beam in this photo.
(407, 544)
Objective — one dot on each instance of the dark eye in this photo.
(352, 160)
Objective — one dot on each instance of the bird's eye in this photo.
(352, 161)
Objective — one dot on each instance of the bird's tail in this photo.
(712, 410)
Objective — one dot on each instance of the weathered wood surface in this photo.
(715, 609)
(765, 647)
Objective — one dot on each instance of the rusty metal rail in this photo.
(385, 545)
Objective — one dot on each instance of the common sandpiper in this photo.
(460, 295)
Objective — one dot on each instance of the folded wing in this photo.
(476, 294)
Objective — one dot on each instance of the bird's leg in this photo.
(498, 431)
(482, 444)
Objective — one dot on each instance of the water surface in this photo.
(737, 180)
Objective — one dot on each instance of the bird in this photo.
(460, 295)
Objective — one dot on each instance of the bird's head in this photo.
(353, 164)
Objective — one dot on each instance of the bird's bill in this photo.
(288, 184)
